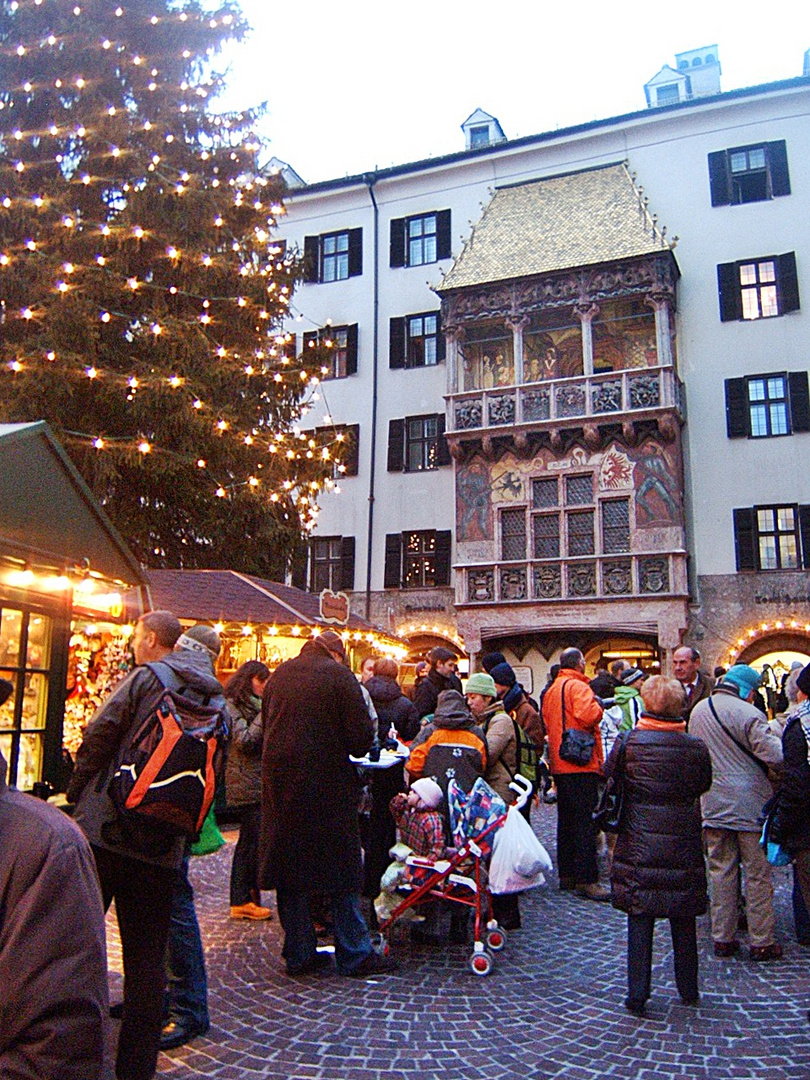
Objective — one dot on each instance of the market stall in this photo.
(63, 572)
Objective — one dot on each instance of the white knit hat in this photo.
(428, 791)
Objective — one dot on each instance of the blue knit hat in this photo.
(503, 675)
(743, 678)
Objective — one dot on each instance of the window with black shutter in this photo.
(416, 341)
(420, 239)
(333, 256)
(339, 345)
(343, 441)
(764, 406)
(417, 443)
(758, 288)
(746, 174)
(772, 537)
(418, 559)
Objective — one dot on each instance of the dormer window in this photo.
(479, 136)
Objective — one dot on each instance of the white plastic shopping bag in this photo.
(518, 858)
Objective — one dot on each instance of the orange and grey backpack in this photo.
(164, 784)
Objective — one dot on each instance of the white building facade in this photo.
(655, 329)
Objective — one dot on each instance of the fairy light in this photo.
(130, 316)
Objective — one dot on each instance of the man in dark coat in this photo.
(141, 876)
(53, 962)
(315, 717)
(686, 668)
(441, 676)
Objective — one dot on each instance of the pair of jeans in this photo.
(639, 957)
(186, 998)
(245, 865)
(143, 902)
(352, 940)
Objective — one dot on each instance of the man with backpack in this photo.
(530, 731)
(137, 866)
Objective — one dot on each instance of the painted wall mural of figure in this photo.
(473, 506)
(658, 486)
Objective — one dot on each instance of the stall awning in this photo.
(49, 514)
(227, 596)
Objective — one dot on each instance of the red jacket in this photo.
(582, 711)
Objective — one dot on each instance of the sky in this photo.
(363, 84)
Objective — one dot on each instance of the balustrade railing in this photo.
(555, 400)
(581, 578)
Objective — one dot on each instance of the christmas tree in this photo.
(141, 293)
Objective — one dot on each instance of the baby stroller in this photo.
(462, 879)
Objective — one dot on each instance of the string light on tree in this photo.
(143, 291)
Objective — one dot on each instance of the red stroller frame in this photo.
(446, 884)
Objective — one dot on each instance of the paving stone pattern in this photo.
(551, 1008)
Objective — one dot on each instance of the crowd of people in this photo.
(693, 760)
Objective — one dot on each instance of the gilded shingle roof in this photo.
(567, 221)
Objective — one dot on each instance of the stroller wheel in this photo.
(496, 939)
(480, 963)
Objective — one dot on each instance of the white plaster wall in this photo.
(668, 152)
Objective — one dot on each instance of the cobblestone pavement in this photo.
(551, 1008)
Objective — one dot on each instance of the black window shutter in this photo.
(788, 283)
(736, 408)
(718, 178)
(804, 532)
(298, 569)
(352, 432)
(443, 241)
(310, 337)
(311, 246)
(347, 562)
(351, 349)
(355, 252)
(443, 545)
(442, 449)
(780, 177)
(745, 546)
(799, 401)
(396, 445)
(396, 343)
(728, 283)
(440, 343)
(397, 244)
(392, 578)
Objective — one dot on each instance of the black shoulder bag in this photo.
(576, 746)
(609, 809)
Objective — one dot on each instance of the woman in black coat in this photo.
(658, 868)
(243, 784)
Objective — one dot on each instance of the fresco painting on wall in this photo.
(657, 477)
(487, 356)
(552, 354)
(473, 501)
(624, 336)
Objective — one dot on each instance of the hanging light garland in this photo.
(111, 255)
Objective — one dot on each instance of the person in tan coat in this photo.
(499, 730)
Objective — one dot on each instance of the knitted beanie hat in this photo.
(503, 675)
(744, 678)
(428, 791)
(481, 683)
